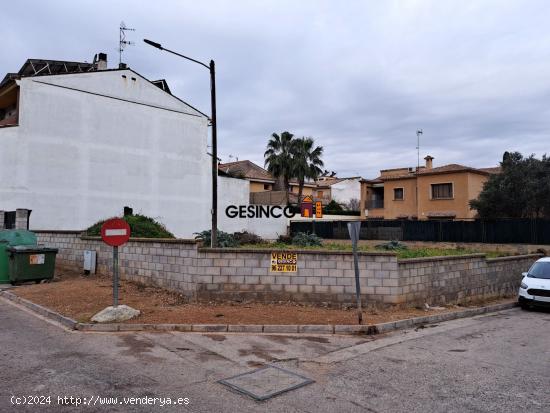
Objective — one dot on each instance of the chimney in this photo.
(429, 163)
(102, 61)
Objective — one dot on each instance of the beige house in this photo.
(427, 193)
(341, 190)
(262, 181)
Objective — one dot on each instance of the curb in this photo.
(257, 328)
(38, 309)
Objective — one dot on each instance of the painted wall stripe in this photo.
(114, 232)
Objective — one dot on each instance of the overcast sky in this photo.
(359, 76)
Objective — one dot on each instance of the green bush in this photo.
(247, 238)
(333, 208)
(140, 225)
(305, 239)
(225, 240)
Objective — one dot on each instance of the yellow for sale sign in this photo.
(284, 262)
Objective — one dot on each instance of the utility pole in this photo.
(418, 133)
(214, 229)
(211, 68)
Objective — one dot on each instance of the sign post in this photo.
(115, 232)
(115, 276)
(318, 209)
(354, 228)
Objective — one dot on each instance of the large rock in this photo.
(115, 314)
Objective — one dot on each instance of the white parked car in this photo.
(535, 285)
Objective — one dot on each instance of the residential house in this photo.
(262, 181)
(423, 193)
(342, 190)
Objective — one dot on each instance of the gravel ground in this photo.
(81, 297)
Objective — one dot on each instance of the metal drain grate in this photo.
(266, 382)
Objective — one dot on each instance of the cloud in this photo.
(360, 77)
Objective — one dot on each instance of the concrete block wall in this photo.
(166, 263)
(322, 277)
(455, 279)
(326, 277)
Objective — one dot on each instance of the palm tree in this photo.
(278, 158)
(307, 162)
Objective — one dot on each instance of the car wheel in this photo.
(525, 306)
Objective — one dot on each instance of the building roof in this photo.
(492, 170)
(331, 180)
(47, 67)
(450, 168)
(43, 67)
(306, 183)
(249, 170)
(246, 169)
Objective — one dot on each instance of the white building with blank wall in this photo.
(78, 143)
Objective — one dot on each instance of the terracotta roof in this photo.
(327, 183)
(246, 169)
(453, 167)
(308, 184)
(492, 170)
(376, 180)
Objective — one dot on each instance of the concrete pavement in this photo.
(497, 362)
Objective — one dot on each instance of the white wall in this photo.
(343, 192)
(78, 157)
(233, 191)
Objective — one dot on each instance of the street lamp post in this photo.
(211, 68)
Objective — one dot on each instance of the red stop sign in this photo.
(115, 232)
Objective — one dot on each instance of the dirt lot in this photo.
(81, 297)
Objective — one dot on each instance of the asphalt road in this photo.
(494, 363)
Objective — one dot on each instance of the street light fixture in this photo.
(211, 68)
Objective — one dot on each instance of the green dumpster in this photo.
(31, 263)
(9, 238)
(4, 277)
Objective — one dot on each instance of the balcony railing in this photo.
(375, 204)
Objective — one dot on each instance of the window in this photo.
(319, 194)
(442, 191)
(540, 270)
(266, 187)
(398, 194)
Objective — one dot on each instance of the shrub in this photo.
(331, 207)
(284, 239)
(354, 213)
(305, 239)
(392, 245)
(247, 238)
(225, 240)
(140, 225)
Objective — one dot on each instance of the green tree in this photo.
(333, 206)
(306, 161)
(278, 158)
(521, 190)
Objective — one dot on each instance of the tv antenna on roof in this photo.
(122, 42)
(418, 133)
